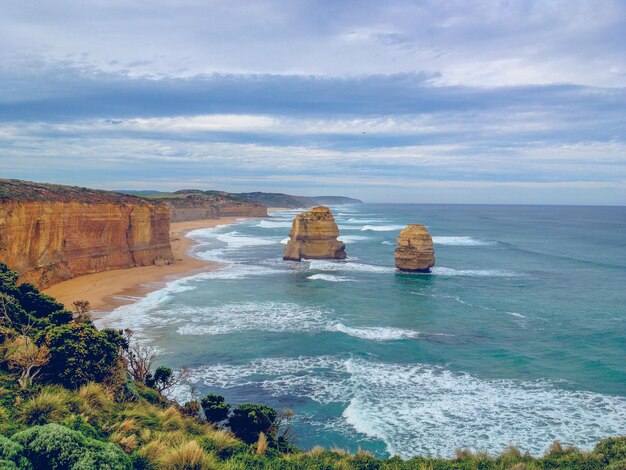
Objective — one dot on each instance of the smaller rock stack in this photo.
(314, 236)
(416, 252)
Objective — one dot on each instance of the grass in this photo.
(51, 405)
(187, 456)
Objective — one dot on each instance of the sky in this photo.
(396, 101)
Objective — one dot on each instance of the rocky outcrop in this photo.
(51, 233)
(314, 236)
(416, 252)
(199, 206)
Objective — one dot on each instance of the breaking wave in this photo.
(430, 410)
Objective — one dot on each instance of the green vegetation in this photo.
(75, 397)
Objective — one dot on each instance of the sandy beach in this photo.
(109, 289)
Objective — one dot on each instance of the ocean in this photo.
(517, 336)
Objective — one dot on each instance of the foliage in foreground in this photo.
(73, 397)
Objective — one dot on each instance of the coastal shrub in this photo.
(612, 449)
(248, 420)
(79, 354)
(55, 447)
(215, 408)
(12, 454)
(191, 409)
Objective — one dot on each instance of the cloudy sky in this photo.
(412, 101)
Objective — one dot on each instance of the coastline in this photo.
(107, 290)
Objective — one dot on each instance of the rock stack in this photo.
(314, 236)
(416, 252)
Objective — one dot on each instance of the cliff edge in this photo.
(192, 204)
(314, 236)
(51, 233)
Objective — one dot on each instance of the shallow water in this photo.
(517, 336)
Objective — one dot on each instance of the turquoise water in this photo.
(518, 335)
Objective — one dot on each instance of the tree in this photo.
(215, 408)
(137, 356)
(81, 311)
(80, 353)
(23, 354)
(164, 378)
(248, 420)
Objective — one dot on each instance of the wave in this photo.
(461, 241)
(387, 242)
(322, 265)
(375, 333)
(381, 228)
(284, 241)
(274, 224)
(236, 240)
(351, 238)
(279, 317)
(515, 314)
(329, 278)
(415, 408)
(355, 220)
(443, 271)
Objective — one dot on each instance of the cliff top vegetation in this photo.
(20, 190)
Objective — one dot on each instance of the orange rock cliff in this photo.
(51, 233)
(416, 251)
(314, 236)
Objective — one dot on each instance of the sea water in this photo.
(517, 336)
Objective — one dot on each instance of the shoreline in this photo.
(107, 290)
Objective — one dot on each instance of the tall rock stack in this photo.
(416, 252)
(314, 236)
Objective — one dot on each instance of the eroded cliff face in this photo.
(415, 252)
(200, 207)
(314, 236)
(48, 235)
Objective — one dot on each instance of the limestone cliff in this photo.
(198, 205)
(50, 233)
(314, 236)
(416, 252)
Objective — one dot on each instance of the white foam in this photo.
(322, 265)
(235, 240)
(351, 238)
(375, 333)
(386, 242)
(460, 241)
(274, 224)
(329, 278)
(428, 410)
(515, 314)
(266, 316)
(382, 228)
(284, 241)
(355, 220)
(275, 317)
(443, 271)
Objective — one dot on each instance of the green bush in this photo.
(79, 353)
(55, 447)
(12, 454)
(612, 449)
(248, 420)
(214, 407)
